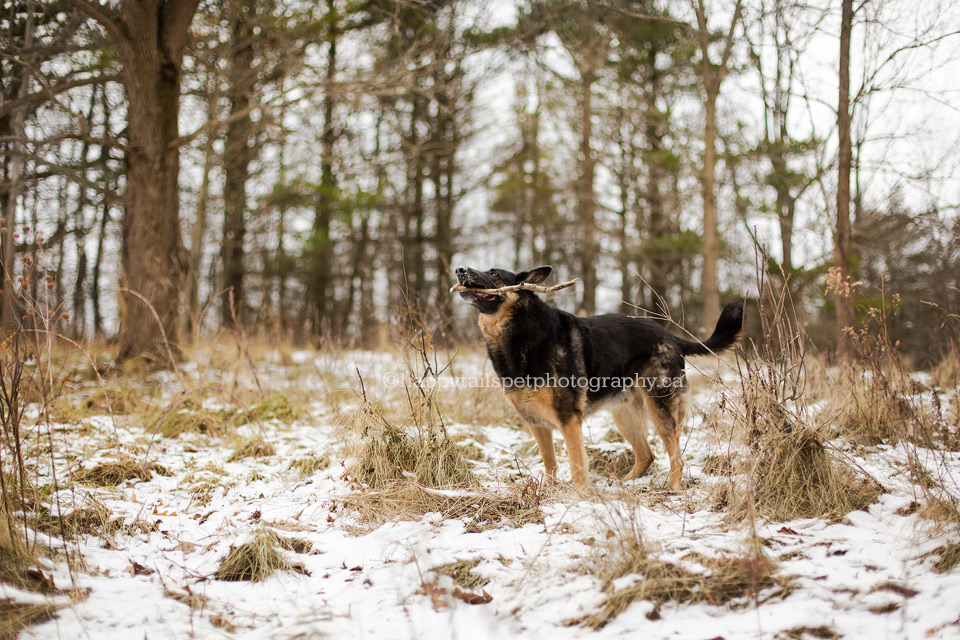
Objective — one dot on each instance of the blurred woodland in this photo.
(315, 170)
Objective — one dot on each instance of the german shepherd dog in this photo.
(557, 368)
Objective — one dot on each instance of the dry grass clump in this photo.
(462, 573)
(273, 406)
(195, 601)
(189, 415)
(18, 567)
(867, 409)
(256, 560)
(255, 447)
(18, 560)
(792, 475)
(609, 461)
(202, 483)
(714, 581)
(111, 474)
(822, 632)
(881, 403)
(115, 400)
(310, 463)
(390, 452)
(949, 558)
(16, 617)
(719, 464)
(93, 519)
(482, 509)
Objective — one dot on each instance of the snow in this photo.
(378, 582)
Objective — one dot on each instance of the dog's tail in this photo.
(724, 335)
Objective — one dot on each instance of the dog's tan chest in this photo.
(535, 405)
(492, 324)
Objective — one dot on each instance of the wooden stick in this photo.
(523, 286)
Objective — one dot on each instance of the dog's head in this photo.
(495, 279)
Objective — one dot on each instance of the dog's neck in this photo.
(494, 325)
(520, 327)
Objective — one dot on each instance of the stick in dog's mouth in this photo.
(523, 286)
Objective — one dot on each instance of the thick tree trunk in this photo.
(586, 202)
(151, 262)
(150, 37)
(842, 247)
(239, 151)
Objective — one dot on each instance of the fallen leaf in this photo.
(470, 597)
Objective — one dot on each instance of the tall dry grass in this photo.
(791, 471)
(414, 443)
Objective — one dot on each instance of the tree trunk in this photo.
(711, 250)
(712, 77)
(444, 170)
(413, 265)
(623, 140)
(239, 151)
(97, 265)
(658, 223)
(320, 302)
(9, 316)
(842, 250)
(150, 37)
(586, 203)
(191, 321)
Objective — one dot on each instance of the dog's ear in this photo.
(534, 276)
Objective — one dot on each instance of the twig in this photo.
(523, 286)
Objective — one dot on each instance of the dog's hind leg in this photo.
(668, 413)
(572, 433)
(544, 438)
(632, 425)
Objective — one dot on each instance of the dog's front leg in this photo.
(544, 438)
(572, 433)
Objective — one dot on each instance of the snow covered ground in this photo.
(869, 575)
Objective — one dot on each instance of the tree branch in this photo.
(40, 96)
(104, 15)
(728, 43)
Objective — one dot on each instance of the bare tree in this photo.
(239, 151)
(150, 38)
(842, 248)
(14, 181)
(712, 76)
